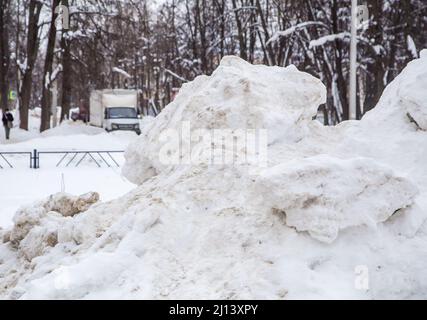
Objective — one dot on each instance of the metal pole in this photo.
(35, 162)
(54, 105)
(353, 61)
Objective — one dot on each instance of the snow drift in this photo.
(327, 201)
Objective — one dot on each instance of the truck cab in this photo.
(121, 118)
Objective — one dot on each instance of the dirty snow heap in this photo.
(242, 195)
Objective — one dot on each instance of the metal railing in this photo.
(8, 162)
(100, 158)
(105, 157)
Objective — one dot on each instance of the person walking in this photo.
(7, 120)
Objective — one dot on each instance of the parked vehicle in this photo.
(115, 110)
(81, 113)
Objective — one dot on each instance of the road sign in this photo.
(12, 95)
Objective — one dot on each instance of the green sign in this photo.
(12, 95)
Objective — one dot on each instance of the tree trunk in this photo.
(200, 26)
(338, 55)
(31, 54)
(375, 69)
(66, 73)
(4, 54)
(268, 51)
(240, 35)
(47, 74)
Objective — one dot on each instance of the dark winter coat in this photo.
(7, 117)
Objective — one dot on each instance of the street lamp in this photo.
(353, 61)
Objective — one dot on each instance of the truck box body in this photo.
(101, 101)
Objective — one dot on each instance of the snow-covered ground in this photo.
(22, 185)
(333, 212)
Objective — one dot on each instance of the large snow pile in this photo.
(324, 203)
(237, 96)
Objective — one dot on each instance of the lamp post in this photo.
(353, 61)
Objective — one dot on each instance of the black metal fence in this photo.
(68, 158)
(7, 161)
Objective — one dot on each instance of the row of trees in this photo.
(157, 47)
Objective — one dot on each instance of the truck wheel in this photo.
(138, 132)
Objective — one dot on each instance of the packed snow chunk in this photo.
(323, 194)
(236, 96)
(41, 237)
(69, 205)
(406, 97)
(40, 220)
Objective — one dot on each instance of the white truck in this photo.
(115, 109)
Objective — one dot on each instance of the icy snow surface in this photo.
(328, 203)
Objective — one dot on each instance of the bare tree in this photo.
(4, 53)
(161, 47)
(66, 91)
(26, 68)
(48, 77)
